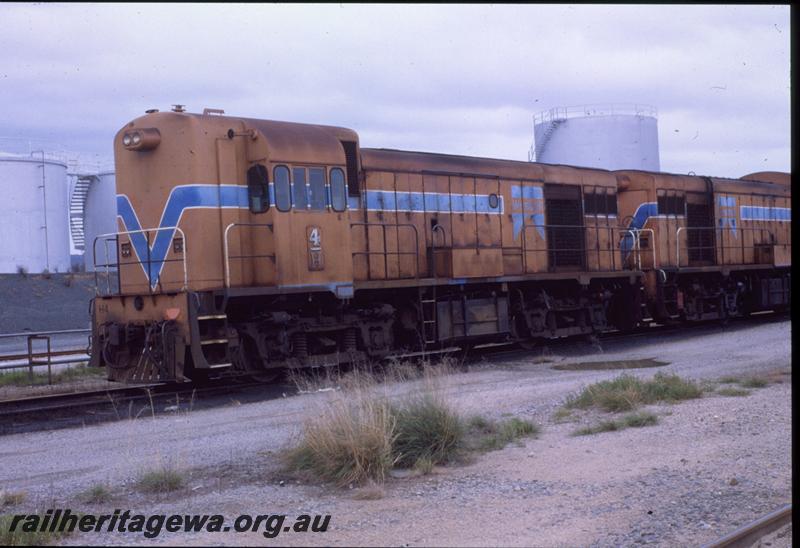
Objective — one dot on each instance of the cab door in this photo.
(311, 229)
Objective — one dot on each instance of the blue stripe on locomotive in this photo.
(764, 213)
(152, 257)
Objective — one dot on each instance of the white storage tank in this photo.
(99, 217)
(608, 136)
(33, 214)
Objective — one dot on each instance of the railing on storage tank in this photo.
(226, 246)
(625, 253)
(717, 251)
(599, 109)
(148, 260)
(385, 253)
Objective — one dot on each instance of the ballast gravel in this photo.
(709, 465)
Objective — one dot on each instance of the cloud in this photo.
(460, 79)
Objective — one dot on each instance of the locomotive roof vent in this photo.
(151, 110)
(178, 108)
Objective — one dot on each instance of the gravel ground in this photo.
(709, 466)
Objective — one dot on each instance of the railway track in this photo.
(81, 408)
(65, 410)
(747, 535)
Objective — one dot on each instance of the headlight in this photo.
(141, 139)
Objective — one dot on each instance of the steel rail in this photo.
(747, 535)
(65, 352)
(37, 333)
(81, 357)
(39, 358)
(72, 409)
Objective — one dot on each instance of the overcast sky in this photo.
(442, 78)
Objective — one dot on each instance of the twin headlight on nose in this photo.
(141, 139)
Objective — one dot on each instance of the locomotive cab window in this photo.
(316, 188)
(338, 190)
(299, 188)
(283, 189)
(258, 188)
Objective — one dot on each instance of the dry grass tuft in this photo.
(429, 432)
(360, 433)
(729, 379)
(350, 439)
(97, 494)
(161, 480)
(754, 382)
(562, 414)
(12, 498)
(633, 420)
(627, 392)
(485, 435)
(733, 392)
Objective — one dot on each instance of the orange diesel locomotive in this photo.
(248, 246)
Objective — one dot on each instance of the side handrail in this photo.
(146, 231)
(226, 249)
(718, 245)
(434, 229)
(386, 253)
(611, 249)
(637, 245)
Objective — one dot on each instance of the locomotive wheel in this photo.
(266, 377)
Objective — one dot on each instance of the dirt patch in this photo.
(98, 382)
(609, 365)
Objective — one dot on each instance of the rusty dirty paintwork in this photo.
(291, 243)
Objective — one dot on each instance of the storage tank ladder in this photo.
(77, 207)
(548, 132)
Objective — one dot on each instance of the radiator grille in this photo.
(700, 242)
(566, 247)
